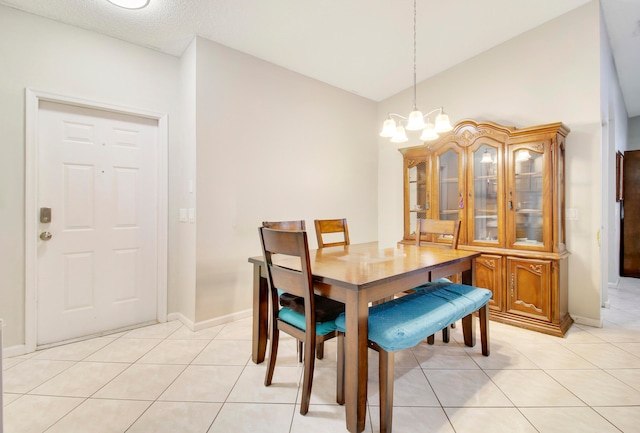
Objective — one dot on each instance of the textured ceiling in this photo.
(362, 46)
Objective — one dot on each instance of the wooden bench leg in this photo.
(483, 313)
(469, 330)
(385, 377)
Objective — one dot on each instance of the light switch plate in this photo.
(183, 215)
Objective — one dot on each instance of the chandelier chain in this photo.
(414, 56)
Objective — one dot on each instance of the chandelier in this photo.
(416, 120)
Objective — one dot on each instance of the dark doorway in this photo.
(630, 215)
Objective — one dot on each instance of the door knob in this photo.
(45, 236)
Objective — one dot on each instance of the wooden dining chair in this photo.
(331, 227)
(441, 233)
(291, 272)
(285, 225)
(294, 302)
(444, 233)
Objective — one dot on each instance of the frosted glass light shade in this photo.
(400, 136)
(429, 133)
(442, 123)
(388, 128)
(130, 4)
(523, 155)
(416, 121)
(486, 158)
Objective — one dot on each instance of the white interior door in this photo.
(97, 172)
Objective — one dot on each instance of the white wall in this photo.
(48, 56)
(183, 299)
(272, 145)
(614, 138)
(549, 74)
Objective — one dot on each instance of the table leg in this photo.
(260, 315)
(468, 276)
(356, 361)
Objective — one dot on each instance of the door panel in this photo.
(488, 273)
(529, 287)
(97, 171)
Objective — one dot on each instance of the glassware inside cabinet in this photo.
(485, 200)
(449, 198)
(418, 195)
(528, 197)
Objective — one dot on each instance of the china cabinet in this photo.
(506, 186)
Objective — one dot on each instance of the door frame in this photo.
(32, 101)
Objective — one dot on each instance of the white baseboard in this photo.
(22, 349)
(596, 323)
(180, 317)
(199, 326)
(222, 320)
(17, 350)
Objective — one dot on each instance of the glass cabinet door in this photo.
(449, 186)
(418, 199)
(526, 196)
(485, 196)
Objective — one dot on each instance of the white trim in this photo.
(33, 98)
(579, 320)
(211, 322)
(199, 326)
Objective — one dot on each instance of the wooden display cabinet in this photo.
(506, 186)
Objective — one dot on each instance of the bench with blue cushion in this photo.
(404, 322)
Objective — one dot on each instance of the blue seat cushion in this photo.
(404, 322)
(472, 298)
(298, 320)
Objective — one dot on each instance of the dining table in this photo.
(358, 275)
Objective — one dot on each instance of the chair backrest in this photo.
(284, 225)
(438, 232)
(332, 226)
(291, 276)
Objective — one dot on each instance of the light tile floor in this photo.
(167, 379)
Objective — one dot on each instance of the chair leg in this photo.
(445, 334)
(273, 353)
(300, 350)
(340, 372)
(385, 373)
(483, 313)
(307, 381)
(469, 330)
(431, 339)
(320, 350)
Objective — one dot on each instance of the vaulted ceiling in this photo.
(362, 46)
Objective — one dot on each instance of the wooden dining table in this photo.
(357, 275)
